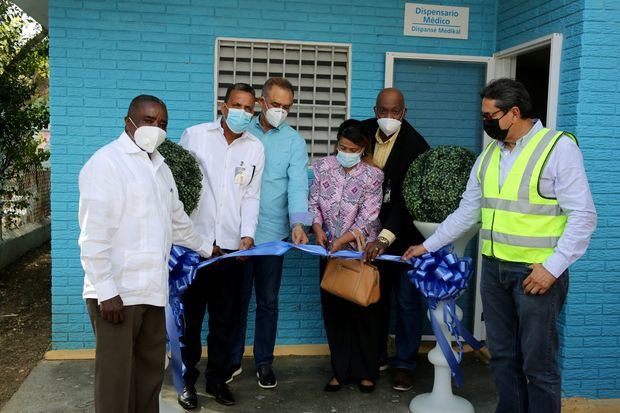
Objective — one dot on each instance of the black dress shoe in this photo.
(188, 399)
(331, 388)
(365, 388)
(266, 377)
(221, 393)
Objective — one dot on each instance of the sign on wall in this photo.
(428, 20)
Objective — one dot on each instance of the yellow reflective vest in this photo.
(518, 223)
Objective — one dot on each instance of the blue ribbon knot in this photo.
(442, 276)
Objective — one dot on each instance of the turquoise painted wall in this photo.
(103, 53)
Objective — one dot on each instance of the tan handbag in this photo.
(353, 280)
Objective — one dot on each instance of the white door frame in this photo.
(505, 62)
(479, 331)
(391, 56)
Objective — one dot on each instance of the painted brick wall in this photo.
(588, 106)
(103, 53)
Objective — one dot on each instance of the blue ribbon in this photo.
(182, 267)
(442, 276)
(184, 263)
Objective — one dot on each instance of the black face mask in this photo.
(492, 128)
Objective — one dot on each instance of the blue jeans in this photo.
(522, 337)
(265, 273)
(409, 314)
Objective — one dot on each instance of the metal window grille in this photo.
(319, 72)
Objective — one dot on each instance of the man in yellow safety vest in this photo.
(529, 188)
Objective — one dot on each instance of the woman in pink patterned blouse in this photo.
(346, 196)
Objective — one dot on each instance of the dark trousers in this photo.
(522, 337)
(215, 288)
(353, 335)
(409, 313)
(129, 359)
(265, 274)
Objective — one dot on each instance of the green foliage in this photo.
(24, 108)
(185, 171)
(435, 181)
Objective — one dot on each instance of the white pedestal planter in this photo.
(441, 399)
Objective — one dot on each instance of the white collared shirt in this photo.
(229, 202)
(129, 216)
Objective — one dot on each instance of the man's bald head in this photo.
(391, 94)
(390, 104)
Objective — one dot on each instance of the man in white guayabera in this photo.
(232, 161)
(129, 216)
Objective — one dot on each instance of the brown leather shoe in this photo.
(403, 379)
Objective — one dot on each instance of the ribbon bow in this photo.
(442, 277)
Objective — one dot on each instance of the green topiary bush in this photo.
(186, 173)
(435, 181)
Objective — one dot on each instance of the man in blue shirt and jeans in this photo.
(283, 213)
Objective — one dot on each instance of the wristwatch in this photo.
(384, 242)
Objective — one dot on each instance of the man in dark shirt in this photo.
(394, 145)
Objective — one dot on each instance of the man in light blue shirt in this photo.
(283, 213)
(521, 297)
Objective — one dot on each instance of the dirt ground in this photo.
(25, 318)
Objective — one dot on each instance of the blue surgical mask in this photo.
(348, 160)
(238, 120)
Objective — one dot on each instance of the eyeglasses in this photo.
(489, 116)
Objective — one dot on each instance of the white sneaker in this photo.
(234, 372)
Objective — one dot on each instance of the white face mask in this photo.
(275, 116)
(148, 138)
(389, 126)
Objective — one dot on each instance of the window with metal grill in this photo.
(319, 72)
